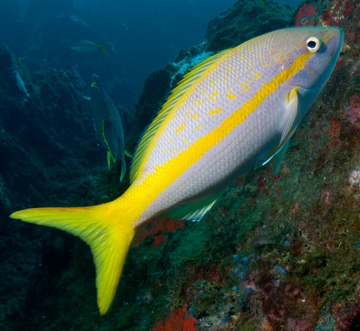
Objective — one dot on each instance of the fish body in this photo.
(246, 102)
(88, 46)
(20, 84)
(232, 112)
(108, 124)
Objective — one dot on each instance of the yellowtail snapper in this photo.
(235, 110)
(87, 46)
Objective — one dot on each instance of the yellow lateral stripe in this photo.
(166, 174)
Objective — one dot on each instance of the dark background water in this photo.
(143, 34)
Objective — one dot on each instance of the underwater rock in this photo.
(277, 253)
(153, 96)
(246, 20)
(47, 148)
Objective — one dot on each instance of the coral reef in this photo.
(246, 20)
(47, 145)
(277, 253)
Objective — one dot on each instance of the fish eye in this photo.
(313, 44)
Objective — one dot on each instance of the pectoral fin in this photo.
(278, 157)
(287, 128)
(291, 110)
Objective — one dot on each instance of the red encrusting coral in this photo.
(177, 321)
(305, 16)
(339, 11)
(157, 228)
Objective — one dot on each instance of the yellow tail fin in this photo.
(102, 229)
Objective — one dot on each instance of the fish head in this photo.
(306, 57)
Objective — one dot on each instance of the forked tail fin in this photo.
(102, 47)
(102, 228)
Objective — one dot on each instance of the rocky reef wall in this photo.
(277, 253)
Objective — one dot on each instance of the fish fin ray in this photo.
(123, 167)
(176, 95)
(109, 136)
(109, 241)
(287, 122)
(108, 157)
(128, 154)
(195, 211)
(277, 159)
(102, 47)
(279, 149)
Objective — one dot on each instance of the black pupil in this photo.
(311, 44)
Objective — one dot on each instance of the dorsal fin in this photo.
(189, 79)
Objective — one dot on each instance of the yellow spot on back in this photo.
(231, 96)
(185, 140)
(181, 127)
(198, 103)
(199, 126)
(195, 116)
(250, 65)
(229, 68)
(215, 111)
(244, 87)
(257, 75)
(212, 97)
(213, 81)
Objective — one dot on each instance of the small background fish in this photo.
(108, 124)
(87, 46)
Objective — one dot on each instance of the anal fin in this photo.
(196, 211)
